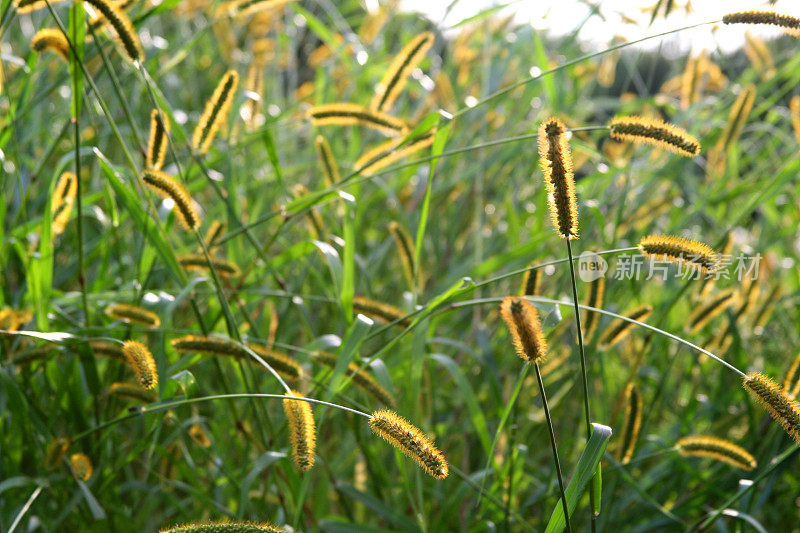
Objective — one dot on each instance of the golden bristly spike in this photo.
(64, 196)
(656, 133)
(680, 250)
(157, 142)
(390, 152)
(302, 430)
(329, 166)
(141, 361)
(556, 162)
(199, 263)
(360, 377)
(168, 187)
(224, 527)
(407, 438)
(49, 39)
(618, 329)
(393, 81)
(388, 314)
(712, 307)
(132, 314)
(344, 114)
(791, 383)
(132, 391)
(780, 405)
(81, 466)
(716, 448)
(530, 282)
(405, 249)
(215, 112)
(597, 291)
(523, 322)
(633, 422)
(124, 30)
(762, 17)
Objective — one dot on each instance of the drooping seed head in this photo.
(131, 391)
(556, 162)
(199, 263)
(168, 187)
(632, 424)
(302, 430)
(716, 448)
(655, 132)
(783, 408)
(620, 328)
(401, 434)
(360, 377)
(157, 142)
(393, 81)
(119, 21)
(762, 17)
(523, 322)
(390, 152)
(141, 361)
(224, 527)
(81, 466)
(215, 112)
(711, 308)
(353, 114)
(52, 40)
(388, 314)
(132, 314)
(680, 250)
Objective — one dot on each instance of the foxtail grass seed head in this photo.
(399, 432)
(791, 383)
(28, 357)
(141, 361)
(98, 21)
(405, 249)
(224, 527)
(241, 8)
(360, 377)
(215, 112)
(344, 114)
(680, 250)
(714, 305)
(329, 167)
(64, 196)
(56, 451)
(199, 436)
(119, 21)
(556, 162)
(157, 143)
(199, 263)
(385, 313)
(214, 232)
(51, 40)
(655, 132)
(302, 430)
(81, 466)
(633, 422)
(168, 187)
(783, 408)
(618, 329)
(28, 6)
(762, 17)
(597, 292)
(132, 314)
(794, 111)
(393, 81)
(523, 322)
(530, 282)
(112, 350)
(737, 117)
(716, 448)
(391, 152)
(131, 391)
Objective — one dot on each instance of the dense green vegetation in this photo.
(443, 234)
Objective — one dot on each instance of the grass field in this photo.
(190, 227)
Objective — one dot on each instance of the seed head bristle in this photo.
(523, 322)
(302, 430)
(98, 21)
(716, 448)
(56, 452)
(655, 132)
(199, 263)
(28, 6)
(132, 314)
(329, 166)
(783, 408)
(618, 329)
(157, 143)
(556, 162)
(124, 30)
(633, 422)
(680, 250)
(762, 17)
(388, 314)
(530, 282)
(791, 383)
(353, 114)
(393, 81)
(49, 39)
(361, 378)
(385, 154)
(168, 187)
(108, 349)
(199, 436)
(224, 527)
(254, 89)
(131, 391)
(214, 232)
(714, 306)
(81, 466)
(401, 434)
(64, 196)
(215, 112)
(597, 292)
(141, 361)
(405, 248)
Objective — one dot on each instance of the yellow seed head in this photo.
(714, 306)
(354, 114)
(198, 263)
(224, 527)
(63, 200)
(390, 152)
(81, 466)
(215, 112)
(399, 432)
(783, 408)
(680, 250)
(556, 162)
(655, 132)
(393, 81)
(530, 282)
(361, 378)
(329, 166)
(132, 314)
(141, 361)
(157, 143)
(199, 436)
(716, 448)
(168, 187)
(302, 430)
(597, 291)
(523, 322)
(50, 40)
(791, 383)
(388, 314)
(762, 17)
(119, 21)
(56, 452)
(633, 422)
(619, 328)
(131, 391)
